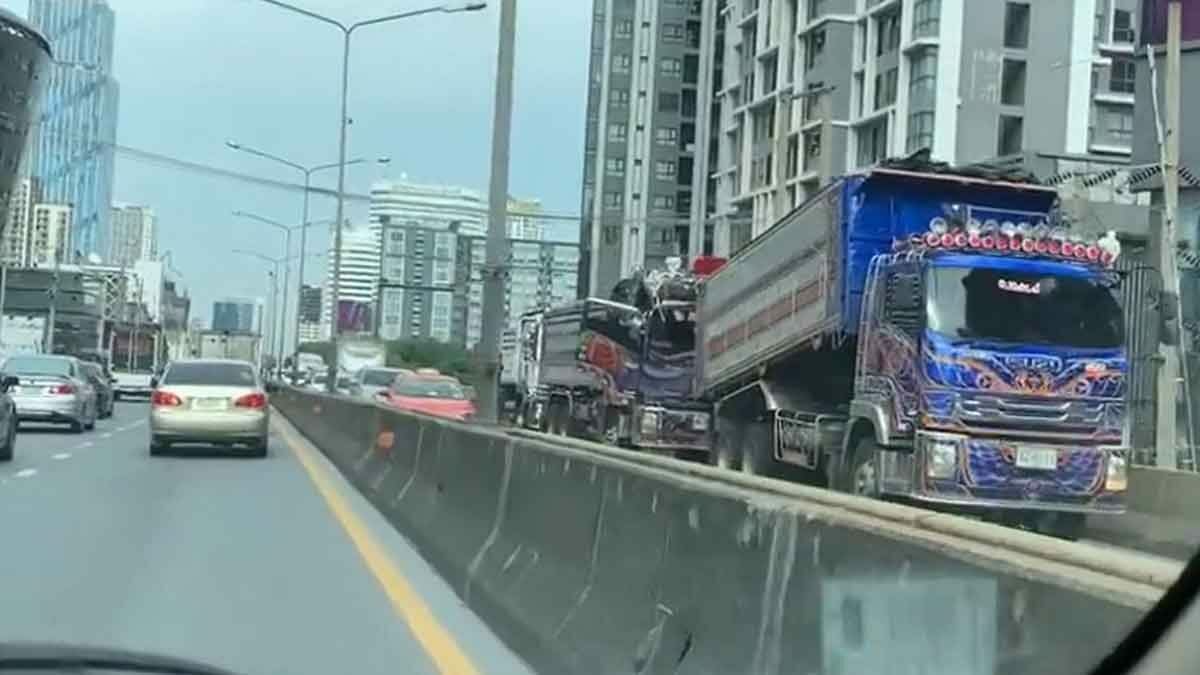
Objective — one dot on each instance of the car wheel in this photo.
(157, 447)
(116, 397)
(6, 452)
(77, 426)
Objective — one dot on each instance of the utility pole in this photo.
(496, 265)
(52, 317)
(1166, 435)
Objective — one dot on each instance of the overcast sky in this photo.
(194, 73)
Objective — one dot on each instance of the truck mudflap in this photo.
(998, 473)
(661, 428)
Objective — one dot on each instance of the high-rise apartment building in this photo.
(50, 235)
(640, 136)
(14, 247)
(310, 313)
(358, 280)
(134, 235)
(236, 315)
(440, 206)
(72, 154)
(540, 274)
(798, 91)
(417, 282)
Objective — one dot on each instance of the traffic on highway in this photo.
(832, 338)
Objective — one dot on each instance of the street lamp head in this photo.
(384, 160)
(468, 7)
(233, 145)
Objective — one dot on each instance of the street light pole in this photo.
(347, 33)
(496, 253)
(304, 223)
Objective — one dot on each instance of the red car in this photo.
(433, 395)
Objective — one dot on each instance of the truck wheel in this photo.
(757, 458)
(1068, 526)
(862, 473)
(726, 454)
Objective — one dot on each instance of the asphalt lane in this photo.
(233, 561)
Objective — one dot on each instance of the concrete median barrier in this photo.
(590, 560)
(1163, 516)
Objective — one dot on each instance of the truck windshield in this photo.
(1022, 307)
(672, 331)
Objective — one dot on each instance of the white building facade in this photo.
(134, 235)
(358, 280)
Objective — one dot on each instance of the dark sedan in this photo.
(102, 382)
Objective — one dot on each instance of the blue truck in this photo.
(925, 336)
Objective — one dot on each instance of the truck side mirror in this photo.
(154, 382)
(9, 382)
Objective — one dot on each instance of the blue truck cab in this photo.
(939, 338)
(991, 363)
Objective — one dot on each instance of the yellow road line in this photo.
(437, 642)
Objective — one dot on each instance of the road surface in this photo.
(259, 566)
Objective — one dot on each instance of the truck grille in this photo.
(989, 413)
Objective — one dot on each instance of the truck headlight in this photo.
(700, 422)
(1117, 478)
(649, 424)
(941, 457)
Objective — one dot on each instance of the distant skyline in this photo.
(195, 73)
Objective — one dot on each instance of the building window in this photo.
(393, 268)
(672, 31)
(1122, 31)
(885, 88)
(920, 131)
(668, 101)
(872, 143)
(927, 18)
(1012, 129)
(621, 63)
(670, 66)
(665, 202)
(439, 318)
(619, 97)
(614, 166)
(1012, 82)
(665, 169)
(1120, 126)
(666, 135)
(1016, 25)
(887, 33)
(441, 272)
(623, 28)
(922, 82)
(1121, 79)
(816, 8)
(814, 46)
(612, 235)
(617, 132)
(395, 242)
(613, 200)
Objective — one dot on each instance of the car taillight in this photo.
(164, 398)
(62, 389)
(255, 400)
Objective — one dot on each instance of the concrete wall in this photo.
(593, 560)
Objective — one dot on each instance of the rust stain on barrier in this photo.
(386, 441)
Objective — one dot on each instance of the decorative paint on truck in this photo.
(925, 335)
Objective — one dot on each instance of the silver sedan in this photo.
(52, 388)
(211, 401)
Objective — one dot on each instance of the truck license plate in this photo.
(1045, 459)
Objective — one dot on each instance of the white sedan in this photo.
(210, 401)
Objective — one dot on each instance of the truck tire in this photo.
(1066, 526)
(861, 473)
(727, 453)
(757, 457)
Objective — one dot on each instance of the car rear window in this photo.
(428, 388)
(379, 378)
(213, 374)
(38, 365)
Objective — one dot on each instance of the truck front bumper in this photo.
(661, 428)
(987, 474)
